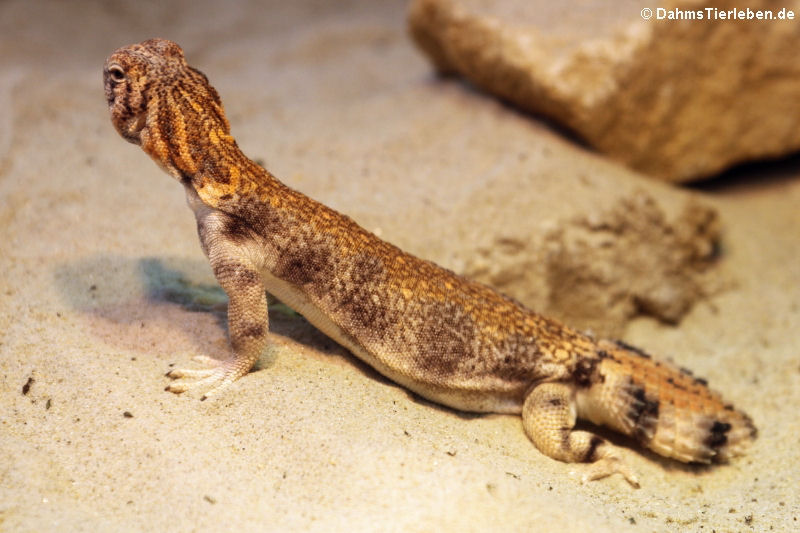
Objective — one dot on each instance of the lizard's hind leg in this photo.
(548, 416)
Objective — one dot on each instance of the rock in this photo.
(678, 100)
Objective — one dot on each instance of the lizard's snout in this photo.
(124, 97)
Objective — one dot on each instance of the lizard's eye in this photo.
(116, 73)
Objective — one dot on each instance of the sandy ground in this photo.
(104, 287)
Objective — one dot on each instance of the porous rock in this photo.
(596, 249)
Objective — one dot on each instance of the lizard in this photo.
(447, 338)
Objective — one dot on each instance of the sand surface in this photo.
(104, 287)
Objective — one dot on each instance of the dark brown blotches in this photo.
(643, 412)
(252, 331)
(638, 351)
(585, 374)
(445, 342)
(678, 386)
(237, 229)
(302, 267)
(589, 457)
(566, 431)
(717, 435)
(237, 274)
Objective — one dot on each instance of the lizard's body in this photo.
(447, 338)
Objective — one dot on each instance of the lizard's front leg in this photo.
(248, 321)
(548, 416)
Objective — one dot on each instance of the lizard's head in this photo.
(158, 101)
(132, 76)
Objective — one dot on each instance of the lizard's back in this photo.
(449, 338)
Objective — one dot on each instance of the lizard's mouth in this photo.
(127, 121)
(108, 85)
(109, 99)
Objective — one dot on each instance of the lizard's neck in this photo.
(202, 154)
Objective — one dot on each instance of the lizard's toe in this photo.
(190, 373)
(608, 465)
(215, 379)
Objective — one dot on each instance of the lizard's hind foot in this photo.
(608, 464)
(548, 416)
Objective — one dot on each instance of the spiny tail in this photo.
(667, 409)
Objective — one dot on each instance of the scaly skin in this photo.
(449, 339)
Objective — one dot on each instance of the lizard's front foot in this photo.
(218, 375)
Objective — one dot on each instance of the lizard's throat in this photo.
(191, 155)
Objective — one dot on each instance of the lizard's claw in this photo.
(608, 465)
(218, 376)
